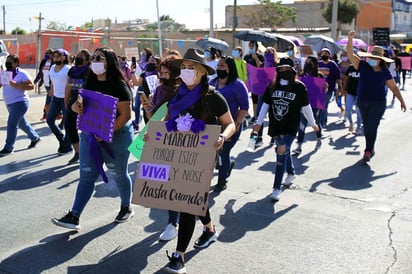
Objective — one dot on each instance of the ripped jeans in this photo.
(284, 161)
(118, 168)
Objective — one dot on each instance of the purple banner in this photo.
(316, 91)
(99, 114)
(259, 78)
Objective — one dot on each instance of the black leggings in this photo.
(187, 227)
(70, 123)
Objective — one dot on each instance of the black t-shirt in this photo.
(118, 89)
(250, 60)
(284, 108)
(353, 79)
(209, 108)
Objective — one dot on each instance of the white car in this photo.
(3, 55)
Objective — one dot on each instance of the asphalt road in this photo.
(342, 216)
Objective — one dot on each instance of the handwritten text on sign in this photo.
(176, 169)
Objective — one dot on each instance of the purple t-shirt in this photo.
(332, 73)
(235, 94)
(371, 86)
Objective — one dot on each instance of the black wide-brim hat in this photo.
(286, 62)
(196, 56)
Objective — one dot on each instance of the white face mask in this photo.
(283, 82)
(98, 68)
(188, 76)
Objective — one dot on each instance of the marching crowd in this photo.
(210, 87)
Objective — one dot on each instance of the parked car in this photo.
(3, 55)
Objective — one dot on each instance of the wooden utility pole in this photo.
(234, 23)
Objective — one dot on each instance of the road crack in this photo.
(395, 252)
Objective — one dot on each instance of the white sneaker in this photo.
(289, 179)
(276, 194)
(169, 233)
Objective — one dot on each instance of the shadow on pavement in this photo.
(355, 177)
(246, 218)
(51, 252)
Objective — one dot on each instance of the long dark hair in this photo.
(113, 71)
(314, 71)
(230, 62)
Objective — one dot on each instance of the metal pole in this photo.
(4, 19)
(38, 50)
(334, 25)
(211, 30)
(159, 30)
(234, 22)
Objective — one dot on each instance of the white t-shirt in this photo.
(46, 73)
(13, 95)
(59, 80)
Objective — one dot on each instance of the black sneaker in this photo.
(220, 186)
(5, 152)
(33, 144)
(206, 238)
(74, 159)
(176, 264)
(125, 213)
(68, 221)
(64, 150)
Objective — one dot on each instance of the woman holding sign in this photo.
(195, 98)
(107, 78)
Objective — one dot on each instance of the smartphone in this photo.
(143, 97)
(134, 63)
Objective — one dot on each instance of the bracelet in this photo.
(223, 137)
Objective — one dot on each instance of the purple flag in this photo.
(99, 114)
(259, 78)
(316, 90)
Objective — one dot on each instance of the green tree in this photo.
(347, 12)
(18, 31)
(166, 24)
(270, 14)
(53, 25)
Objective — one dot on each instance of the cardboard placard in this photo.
(99, 114)
(316, 91)
(136, 147)
(176, 169)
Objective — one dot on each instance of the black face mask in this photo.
(58, 63)
(221, 73)
(286, 74)
(150, 67)
(79, 61)
(324, 57)
(165, 81)
(9, 66)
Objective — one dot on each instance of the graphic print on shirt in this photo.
(280, 106)
(354, 74)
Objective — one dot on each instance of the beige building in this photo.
(309, 15)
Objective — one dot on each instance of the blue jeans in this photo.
(57, 106)
(324, 113)
(173, 217)
(17, 120)
(372, 113)
(304, 123)
(136, 108)
(350, 102)
(118, 167)
(225, 155)
(284, 161)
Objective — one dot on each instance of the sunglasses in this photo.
(98, 58)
